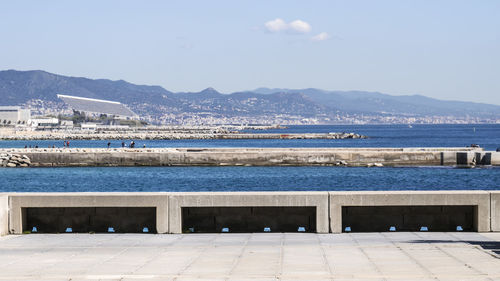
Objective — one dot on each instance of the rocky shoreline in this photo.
(159, 135)
(14, 160)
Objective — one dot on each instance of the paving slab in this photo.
(258, 256)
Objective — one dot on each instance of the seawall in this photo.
(56, 157)
(321, 212)
(161, 135)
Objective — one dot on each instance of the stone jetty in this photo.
(364, 157)
(14, 160)
(163, 135)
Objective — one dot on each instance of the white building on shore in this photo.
(97, 107)
(44, 123)
(14, 115)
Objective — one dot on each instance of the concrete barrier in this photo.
(20, 203)
(495, 210)
(4, 215)
(466, 158)
(479, 200)
(448, 158)
(320, 212)
(469, 158)
(318, 200)
(495, 158)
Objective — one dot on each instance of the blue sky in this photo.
(442, 49)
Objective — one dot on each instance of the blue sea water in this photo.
(486, 135)
(83, 179)
(245, 179)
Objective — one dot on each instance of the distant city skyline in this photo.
(441, 49)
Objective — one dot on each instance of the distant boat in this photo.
(410, 126)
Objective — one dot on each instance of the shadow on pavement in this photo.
(493, 246)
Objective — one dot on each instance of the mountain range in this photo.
(21, 87)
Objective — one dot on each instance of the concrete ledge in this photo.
(328, 205)
(4, 215)
(449, 158)
(256, 156)
(248, 199)
(495, 210)
(481, 199)
(495, 158)
(19, 201)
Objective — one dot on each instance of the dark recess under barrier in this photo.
(90, 219)
(408, 218)
(248, 219)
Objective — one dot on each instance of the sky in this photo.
(442, 49)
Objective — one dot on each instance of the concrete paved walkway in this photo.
(265, 256)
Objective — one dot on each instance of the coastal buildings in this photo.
(13, 115)
(43, 123)
(98, 106)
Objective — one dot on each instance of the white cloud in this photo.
(297, 26)
(321, 37)
(276, 25)
(300, 26)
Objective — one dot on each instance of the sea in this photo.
(173, 179)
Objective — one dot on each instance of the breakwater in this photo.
(14, 160)
(169, 135)
(61, 157)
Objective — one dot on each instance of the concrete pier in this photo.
(49, 157)
(252, 256)
(321, 212)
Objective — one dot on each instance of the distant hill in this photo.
(20, 87)
(17, 87)
(374, 102)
